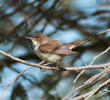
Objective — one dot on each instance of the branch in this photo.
(103, 52)
(100, 87)
(102, 66)
(90, 81)
(86, 96)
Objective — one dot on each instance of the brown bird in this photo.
(52, 51)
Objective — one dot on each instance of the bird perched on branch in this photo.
(52, 51)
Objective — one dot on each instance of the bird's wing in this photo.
(47, 48)
(60, 49)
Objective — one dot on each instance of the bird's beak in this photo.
(30, 38)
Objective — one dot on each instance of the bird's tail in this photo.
(73, 45)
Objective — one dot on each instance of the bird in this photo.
(52, 51)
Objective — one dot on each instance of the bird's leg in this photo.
(47, 64)
(52, 65)
(42, 62)
(60, 65)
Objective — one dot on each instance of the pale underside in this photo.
(51, 58)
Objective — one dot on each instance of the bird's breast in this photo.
(51, 58)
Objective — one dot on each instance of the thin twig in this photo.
(91, 63)
(15, 80)
(17, 9)
(2, 94)
(100, 87)
(86, 96)
(105, 51)
(29, 16)
(108, 30)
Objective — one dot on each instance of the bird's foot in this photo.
(43, 69)
(47, 64)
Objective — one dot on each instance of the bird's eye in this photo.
(38, 39)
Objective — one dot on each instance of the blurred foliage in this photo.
(55, 18)
(18, 92)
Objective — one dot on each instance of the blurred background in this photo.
(64, 20)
